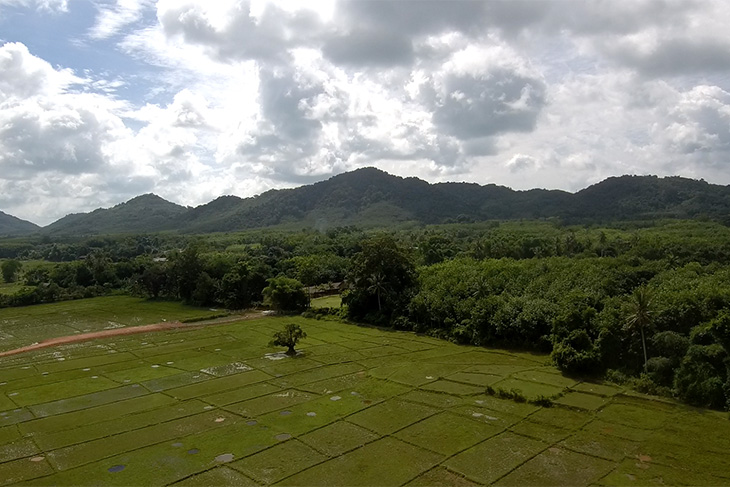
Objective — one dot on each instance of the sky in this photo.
(101, 101)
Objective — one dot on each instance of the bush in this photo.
(576, 354)
(701, 377)
(285, 294)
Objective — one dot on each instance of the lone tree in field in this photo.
(288, 337)
(641, 314)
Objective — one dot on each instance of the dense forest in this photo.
(646, 304)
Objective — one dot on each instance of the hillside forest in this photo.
(645, 304)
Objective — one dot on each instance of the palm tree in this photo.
(377, 285)
(641, 314)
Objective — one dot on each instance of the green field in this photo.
(358, 406)
(25, 325)
(327, 302)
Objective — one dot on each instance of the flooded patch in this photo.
(116, 468)
(177, 445)
(311, 414)
(281, 355)
(252, 422)
(226, 457)
(285, 413)
(228, 369)
(282, 436)
(335, 398)
(193, 451)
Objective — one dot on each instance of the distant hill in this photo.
(370, 197)
(11, 226)
(143, 214)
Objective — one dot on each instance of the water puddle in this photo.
(226, 457)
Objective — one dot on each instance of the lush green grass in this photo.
(26, 325)
(327, 302)
(359, 406)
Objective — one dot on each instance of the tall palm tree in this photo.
(377, 285)
(641, 314)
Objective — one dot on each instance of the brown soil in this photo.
(171, 325)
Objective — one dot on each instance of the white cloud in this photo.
(112, 18)
(240, 96)
(42, 5)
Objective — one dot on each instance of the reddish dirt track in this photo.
(171, 325)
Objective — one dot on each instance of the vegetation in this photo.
(205, 407)
(10, 269)
(285, 294)
(288, 337)
(638, 303)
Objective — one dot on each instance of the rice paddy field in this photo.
(327, 302)
(358, 406)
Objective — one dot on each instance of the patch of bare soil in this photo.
(168, 325)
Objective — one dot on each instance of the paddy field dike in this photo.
(216, 405)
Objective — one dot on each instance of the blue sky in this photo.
(101, 101)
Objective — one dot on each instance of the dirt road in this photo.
(168, 325)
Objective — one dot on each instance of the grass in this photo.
(207, 407)
(327, 302)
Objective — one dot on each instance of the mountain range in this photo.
(371, 197)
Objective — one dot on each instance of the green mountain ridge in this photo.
(371, 197)
(145, 213)
(12, 226)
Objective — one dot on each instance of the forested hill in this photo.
(10, 225)
(146, 213)
(370, 197)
